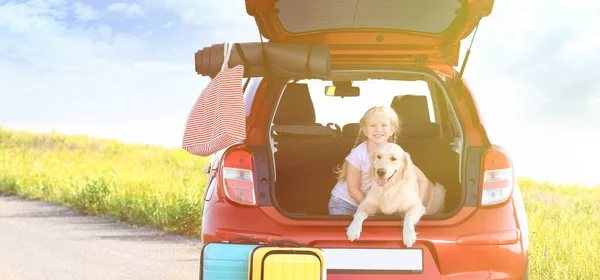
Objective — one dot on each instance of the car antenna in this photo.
(462, 68)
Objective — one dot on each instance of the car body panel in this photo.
(498, 250)
(491, 242)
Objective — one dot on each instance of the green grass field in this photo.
(564, 226)
(163, 188)
(138, 183)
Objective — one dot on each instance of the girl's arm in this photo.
(353, 178)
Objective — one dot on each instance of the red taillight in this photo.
(238, 177)
(498, 177)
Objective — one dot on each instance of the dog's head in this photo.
(390, 163)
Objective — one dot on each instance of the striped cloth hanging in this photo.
(218, 118)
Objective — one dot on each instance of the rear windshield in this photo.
(429, 16)
(347, 110)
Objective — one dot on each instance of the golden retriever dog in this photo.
(433, 195)
(395, 189)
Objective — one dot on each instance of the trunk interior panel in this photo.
(305, 160)
(305, 169)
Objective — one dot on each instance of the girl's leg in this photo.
(338, 206)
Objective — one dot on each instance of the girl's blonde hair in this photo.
(395, 121)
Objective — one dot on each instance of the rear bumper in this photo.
(487, 245)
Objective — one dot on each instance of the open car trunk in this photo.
(320, 39)
(415, 35)
(305, 152)
(416, 30)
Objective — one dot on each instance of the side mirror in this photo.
(342, 89)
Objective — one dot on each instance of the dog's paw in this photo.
(409, 236)
(353, 232)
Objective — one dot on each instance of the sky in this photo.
(125, 70)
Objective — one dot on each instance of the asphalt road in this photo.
(39, 240)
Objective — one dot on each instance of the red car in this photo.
(321, 66)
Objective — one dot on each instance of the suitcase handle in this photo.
(274, 243)
(279, 242)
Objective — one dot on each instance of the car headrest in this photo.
(420, 130)
(414, 113)
(350, 130)
(295, 106)
(411, 108)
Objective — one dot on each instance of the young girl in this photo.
(378, 125)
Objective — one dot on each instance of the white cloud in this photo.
(91, 79)
(23, 18)
(128, 10)
(585, 41)
(84, 12)
(137, 102)
(206, 13)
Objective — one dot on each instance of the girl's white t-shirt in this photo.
(359, 158)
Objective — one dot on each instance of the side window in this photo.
(432, 117)
(250, 93)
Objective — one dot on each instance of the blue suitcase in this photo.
(226, 260)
